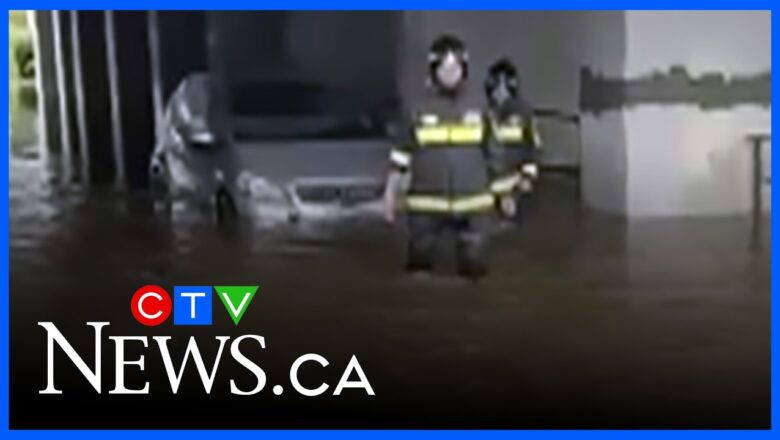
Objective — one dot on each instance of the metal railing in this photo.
(574, 120)
(568, 118)
(756, 142)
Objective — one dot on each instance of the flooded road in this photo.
(584, 321)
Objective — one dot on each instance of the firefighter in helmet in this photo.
(513, 126)
(445, 148)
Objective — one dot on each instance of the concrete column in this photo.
(219, 69)
(46, 79)
(604, 163)
(132, 110)
(93, 96)
(692, 95)
(63, 59)
(667, 114)
(178, 46)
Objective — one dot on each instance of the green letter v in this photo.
(236, 299)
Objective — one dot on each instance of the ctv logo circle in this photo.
(151, 305)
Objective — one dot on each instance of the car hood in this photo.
(286, 162)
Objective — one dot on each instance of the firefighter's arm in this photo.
(392, 189)
(532, 143)
(492, 149)
(502, 179)
(400, 163)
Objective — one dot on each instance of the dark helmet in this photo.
(502, 68)
(443, 45)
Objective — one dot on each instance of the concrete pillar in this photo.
(63, 59)
(688, 152)
(178, 45)
(219, 69)
(132, 110)
(691, 96)
(667, 115)
(93, 96)
(46, 79)
(604, 162)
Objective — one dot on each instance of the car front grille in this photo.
(339, 194)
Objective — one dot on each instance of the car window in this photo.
(292, 99)
(300, 110)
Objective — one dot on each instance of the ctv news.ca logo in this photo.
(191, 306)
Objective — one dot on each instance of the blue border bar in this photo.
(390, 5)
(378, 5)
(775, 268)
(4, 246)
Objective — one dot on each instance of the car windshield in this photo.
(300, 110)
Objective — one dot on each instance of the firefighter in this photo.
(445, 151)
(513, 126)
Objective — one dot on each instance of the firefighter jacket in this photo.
(448, 147)
(515, 130)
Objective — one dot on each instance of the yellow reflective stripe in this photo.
(450, 134)
(505, 184)
(516, 133)
(400, 158)
(464, 134)
(509, 133)
(431, 135)
(474, 203)
(427, 203)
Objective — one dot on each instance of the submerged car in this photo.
(291, 152)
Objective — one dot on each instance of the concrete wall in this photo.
(682, 159)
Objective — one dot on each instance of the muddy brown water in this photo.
(584, 321)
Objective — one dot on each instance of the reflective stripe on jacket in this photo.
(448, 149)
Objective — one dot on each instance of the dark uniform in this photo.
(446, 146)
(513, 127)
(516, 132)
